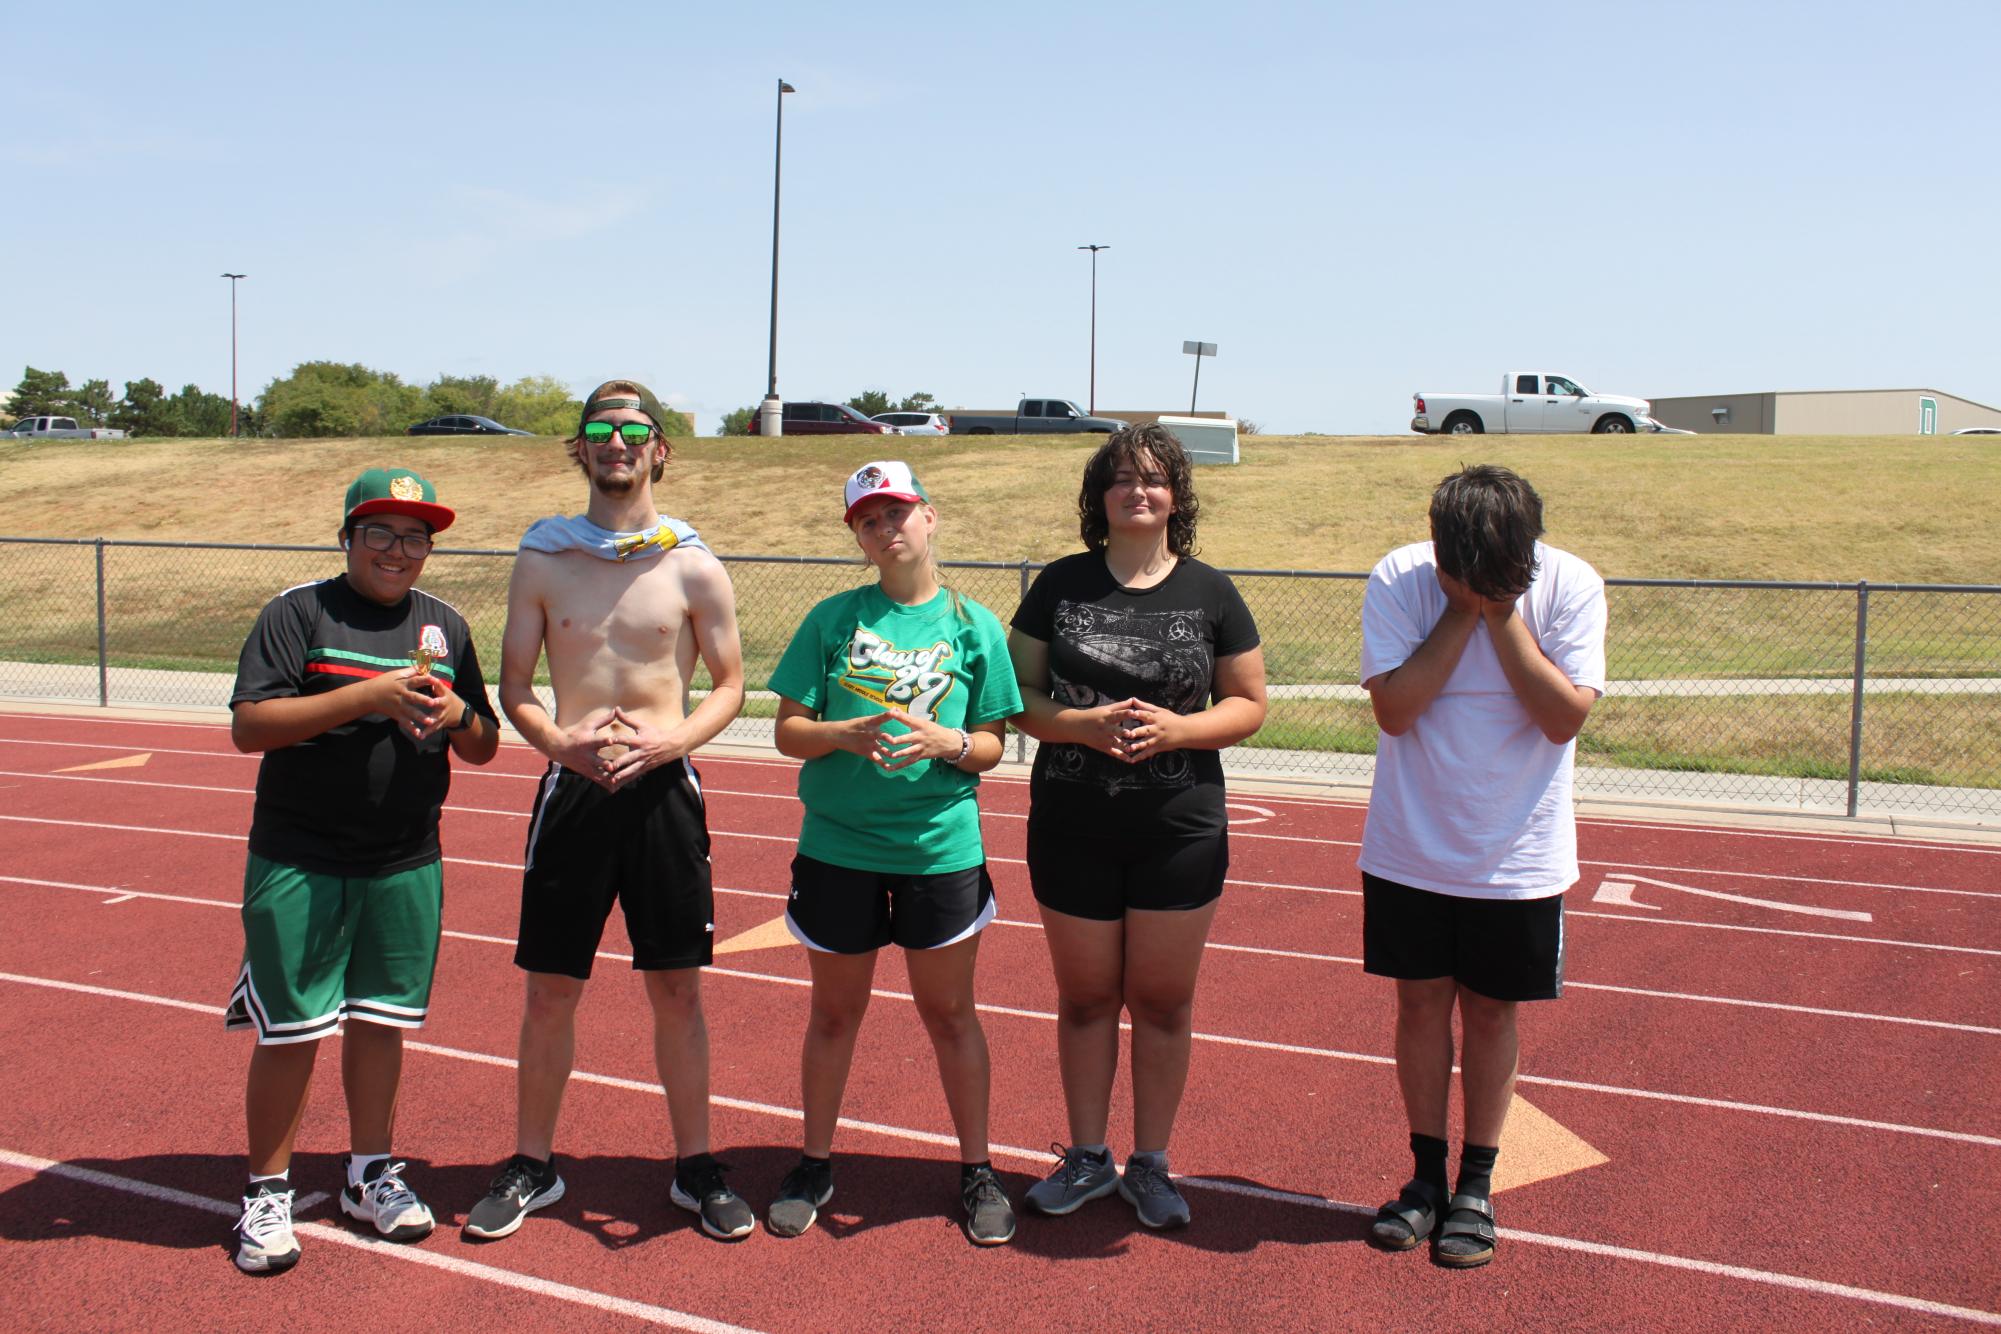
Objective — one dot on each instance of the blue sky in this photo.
(1354, 202)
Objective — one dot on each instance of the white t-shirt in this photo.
(1474, 800)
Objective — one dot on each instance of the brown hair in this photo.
(624, 389)
(1484, 524)
(1132, 447)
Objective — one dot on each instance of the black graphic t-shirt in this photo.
(1108, 643)
(361, 798)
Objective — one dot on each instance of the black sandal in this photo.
(1409, 1218)
(1466, 1240)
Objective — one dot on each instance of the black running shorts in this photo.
(841, 911)
(1100, 876)
(1504, 949)
(646, 846)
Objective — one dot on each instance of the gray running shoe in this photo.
(801, 1195)
(1153, 1195)
(1080, 1178)
(989, 1217)
(699, 1188)
(523, 1186)
(265, 1243)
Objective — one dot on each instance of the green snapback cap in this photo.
(396, 491)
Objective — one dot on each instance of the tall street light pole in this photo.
(234, 278)
(771, 413)
(1094, 249)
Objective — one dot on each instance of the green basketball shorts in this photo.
(319, 949)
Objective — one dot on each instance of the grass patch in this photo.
(1910, 509)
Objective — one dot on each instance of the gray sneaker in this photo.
(1080, 1178)
(1153, 1194)
(989, 1217)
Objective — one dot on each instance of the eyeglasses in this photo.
(635, 434)
(375, 538)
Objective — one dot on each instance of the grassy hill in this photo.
(1886, 509)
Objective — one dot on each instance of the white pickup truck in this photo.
(59, 428)
(1531, 403)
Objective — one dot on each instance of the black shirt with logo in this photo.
(361, 798)
(1108, 643)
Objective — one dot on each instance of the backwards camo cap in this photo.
(603, 401)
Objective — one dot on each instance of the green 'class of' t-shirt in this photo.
(856, 654)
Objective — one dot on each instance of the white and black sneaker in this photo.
(698, 1187)
(523, 1186)
(386, 1204)
(265, 1243)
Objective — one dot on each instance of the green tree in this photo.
(869, 402)
(538, 403)
(477, 395)
(204, 414)
(92, 402)
(737, 422)
(917, 403)
(326, 398)
(42, 394)
(146, 410)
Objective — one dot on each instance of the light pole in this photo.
(1094, 249)
(233, 280)
(771, 413)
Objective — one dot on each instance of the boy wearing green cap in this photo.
(353, 688)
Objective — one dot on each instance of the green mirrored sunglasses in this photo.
(632, 433)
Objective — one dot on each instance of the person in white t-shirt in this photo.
(1482, 651)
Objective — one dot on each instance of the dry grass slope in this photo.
(1886, 509)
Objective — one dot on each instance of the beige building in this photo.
(1827, 412)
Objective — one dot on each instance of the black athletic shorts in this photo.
(837, 910)
(646, 846)
(1504, 949)
(1100, 876)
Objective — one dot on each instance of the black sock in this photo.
(1476, 1170)
(966, 1170)
(682, 1166)
(1429, 1151)
(811, 1161)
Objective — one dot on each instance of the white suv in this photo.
(914, 423)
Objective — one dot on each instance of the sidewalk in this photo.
(1900, 808)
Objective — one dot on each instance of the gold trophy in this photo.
(421, 658)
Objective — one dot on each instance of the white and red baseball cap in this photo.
(883, 478)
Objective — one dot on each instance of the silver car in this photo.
(914, 423)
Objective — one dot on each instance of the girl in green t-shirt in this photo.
(895, 695)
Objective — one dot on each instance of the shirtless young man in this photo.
(623, 602)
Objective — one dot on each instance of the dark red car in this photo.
(826, 419)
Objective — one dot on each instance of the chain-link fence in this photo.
(1847, 697)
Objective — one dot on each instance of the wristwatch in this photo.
(465, 720)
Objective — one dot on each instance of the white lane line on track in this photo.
(1037, 1158)
(1256, 1044)
(339, 1236)
(522, 814)
(1017, 861)
(1817, 1011)
(1890, 841)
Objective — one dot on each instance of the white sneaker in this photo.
(391, 1207)
(264, 1240)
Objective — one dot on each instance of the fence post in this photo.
(1021, 737)
(1855, 708)
(103, 667)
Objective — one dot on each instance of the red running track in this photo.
(1782, 1046)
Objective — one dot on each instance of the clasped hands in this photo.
(1133, 730)
(419, 703)
(612, 748)
(869, 737)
